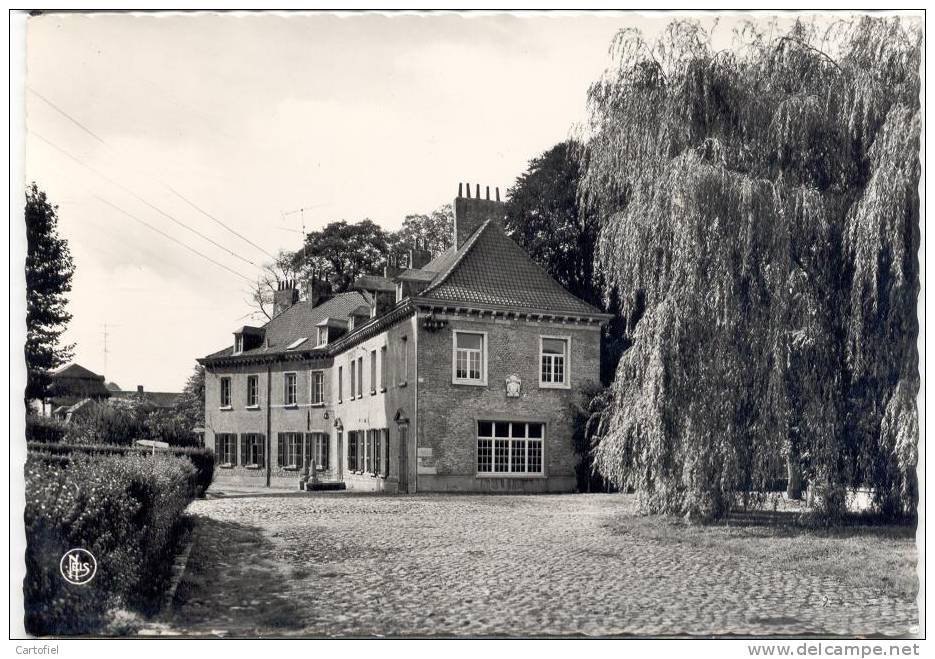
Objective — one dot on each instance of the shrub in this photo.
(44, 429)
(125, 510)
(201, 458)
(105, 423)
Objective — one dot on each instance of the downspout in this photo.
(269, 427)
(415, 404)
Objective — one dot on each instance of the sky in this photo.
(250, 117)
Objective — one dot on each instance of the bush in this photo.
(125, 510)
(44, 429)
(201, 458)
(101, 422)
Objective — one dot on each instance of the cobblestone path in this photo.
(338, 564)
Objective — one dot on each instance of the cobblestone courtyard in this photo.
(282, 563)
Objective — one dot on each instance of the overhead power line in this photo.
(141, 199)
(164, 184)
(172, 238)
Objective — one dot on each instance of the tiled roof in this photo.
(301, 320)
(375, 283)
(163, 399)
(492, 269)
(76, 371)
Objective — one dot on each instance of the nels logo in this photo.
(78, 566)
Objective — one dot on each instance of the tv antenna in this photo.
(301, 214)
(106, 333)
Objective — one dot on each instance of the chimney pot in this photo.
(488, 193)
(477, 190)
(139, 388)
(498, 194)
(459, 189)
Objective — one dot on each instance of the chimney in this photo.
(471, 212)
(285, 296)
(419, 256)
(317, 290)
(392, 267)
(139, 389)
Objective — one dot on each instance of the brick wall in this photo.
(448, 413)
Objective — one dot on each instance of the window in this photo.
(509, 448)
(252, 450)
(373, 372)
(252, 387)
(225, 392)
(377, 452)
(318, 387)
(290, 450)
(238, 344)
(352, 451)
(369, 452)
(553, 361)
(225, 449)
(340, 383)
(353, 381)
(322, 336)
(383, 368)
(386, 451)
(321, 447)
(404, 353)
(360, 377)
(288, 392)
(470, 361)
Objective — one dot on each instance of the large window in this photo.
(321, 446)
(225, 392)
(352, 451)
(290, 450)
(225, 449)
(353, 380)
(288, 390)
(252, 388)
(377, 452)
(340, 383)
(505, 447)
(553, 361)
(470, 360)
(318, 387)
(373, 372)
(252, 450)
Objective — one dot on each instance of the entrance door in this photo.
(403, 458)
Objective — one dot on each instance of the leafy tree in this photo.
(281, 269)
(190, 407)
(49, 270)
(434, 230)
(761, 203)
(341, 252)
(544, 216)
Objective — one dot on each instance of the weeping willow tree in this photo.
(759, 206)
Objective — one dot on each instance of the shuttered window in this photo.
(252, 447)
(290, 449)
(386, 451)
(352, 451)
(225, 449)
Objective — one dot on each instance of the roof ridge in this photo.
(468, 246)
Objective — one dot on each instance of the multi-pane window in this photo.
(238, 344)
(322, 336)
(290, 450)
(352, 451)
(318, 387)
(377, 453)
(321, 448)
(368, 461)
(252, 388)
(360, 377)
(288, 391)
(340, 383)
(383, 368)
(225, 449)
(353, 380)
(225, 392)
(469, 359)
(373, 372)
(505, 447)
(553, 370)
(252, 450)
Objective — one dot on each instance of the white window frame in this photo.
(373, 372)
(225, 405)
(311, 388)
(295, 389)
(238, 343)
(566, 383)
(482, 382)
(322, 333)
(493, 440)
(321, 448)
(353, 380)
(256, 392)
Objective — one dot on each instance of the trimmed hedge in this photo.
(44, 429)
(201, 458)
(125, 510)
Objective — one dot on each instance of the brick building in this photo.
(454, 373)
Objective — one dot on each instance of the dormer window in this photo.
(238, 344)
(323, 336)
